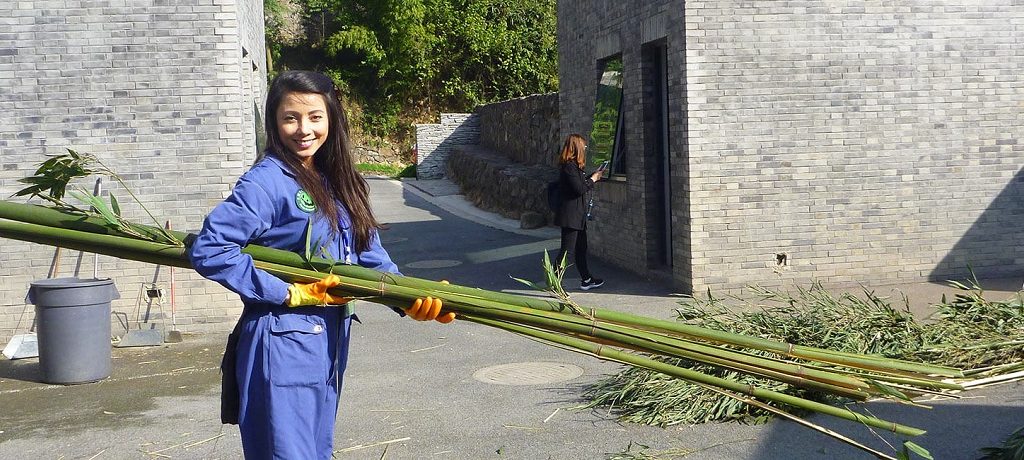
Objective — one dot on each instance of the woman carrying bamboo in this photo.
(288, 354)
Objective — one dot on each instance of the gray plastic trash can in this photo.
(73, 321)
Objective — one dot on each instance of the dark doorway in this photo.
(657, 144)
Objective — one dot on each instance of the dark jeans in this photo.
(575, 242)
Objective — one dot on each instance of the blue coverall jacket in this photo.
(290, 361)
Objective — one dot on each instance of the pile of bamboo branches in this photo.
(983, 337)
(611, 335)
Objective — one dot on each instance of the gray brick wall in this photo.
(160, 92)
(868, 141)
(434, 141)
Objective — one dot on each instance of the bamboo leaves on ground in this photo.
(845, 322)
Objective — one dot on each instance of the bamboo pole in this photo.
(472, 303)
(170, 255)
(51, 217)
(401, 296)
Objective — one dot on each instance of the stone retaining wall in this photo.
(509, 167)
(435, 141)
(492, 181)
(523, 129)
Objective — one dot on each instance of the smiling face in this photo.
(302, 124)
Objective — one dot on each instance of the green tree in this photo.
(401, 60)
(490, 50)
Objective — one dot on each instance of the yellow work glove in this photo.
(429, 309)
(300, 294)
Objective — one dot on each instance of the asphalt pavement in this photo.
(460, 391)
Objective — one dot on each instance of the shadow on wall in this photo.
(994, 245)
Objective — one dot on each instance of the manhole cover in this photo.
(531, 373)
(440, 263)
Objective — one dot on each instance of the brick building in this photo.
(166, 93)
(777, 142)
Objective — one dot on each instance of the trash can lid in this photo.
(71, 291)
(57, 283)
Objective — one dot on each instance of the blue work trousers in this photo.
(289, 366)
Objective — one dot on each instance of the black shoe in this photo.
(591, 283)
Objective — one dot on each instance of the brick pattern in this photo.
(867, 141)
(253, 76)
(160, 92)
(435, 141)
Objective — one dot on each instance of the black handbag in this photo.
(230, 398)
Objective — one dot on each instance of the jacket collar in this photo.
(276, 160)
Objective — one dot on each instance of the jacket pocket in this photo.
(297, 350)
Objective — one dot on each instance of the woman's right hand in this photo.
(596, 176)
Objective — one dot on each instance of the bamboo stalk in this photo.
(831, 383)
(786, 349)
(116, 246)
(474, 304)
(880, 364)
(916, 382)
(793, 418)
(165, 254)
(644, 341)
(51, 217)
(874, 363)
(994, 379)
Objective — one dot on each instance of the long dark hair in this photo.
(333, 163)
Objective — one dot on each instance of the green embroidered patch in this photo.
(304, 201)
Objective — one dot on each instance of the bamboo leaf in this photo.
(104, 211)
(54, 175)
(326, 255)
(39, 184)
(911, 446)
(888, 390)
(309, 234)
(529, 283)
(99, 206)
(83, 197)
(550, 276)
(114, 206)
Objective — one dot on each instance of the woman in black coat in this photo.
(574, 184)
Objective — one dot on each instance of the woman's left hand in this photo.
(429, 309)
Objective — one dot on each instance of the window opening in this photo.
(608, 127)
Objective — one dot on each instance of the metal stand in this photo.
(147, 335)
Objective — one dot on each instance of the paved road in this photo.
(423, 391)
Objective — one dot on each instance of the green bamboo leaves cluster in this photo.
(611, 335)
(50, 183)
